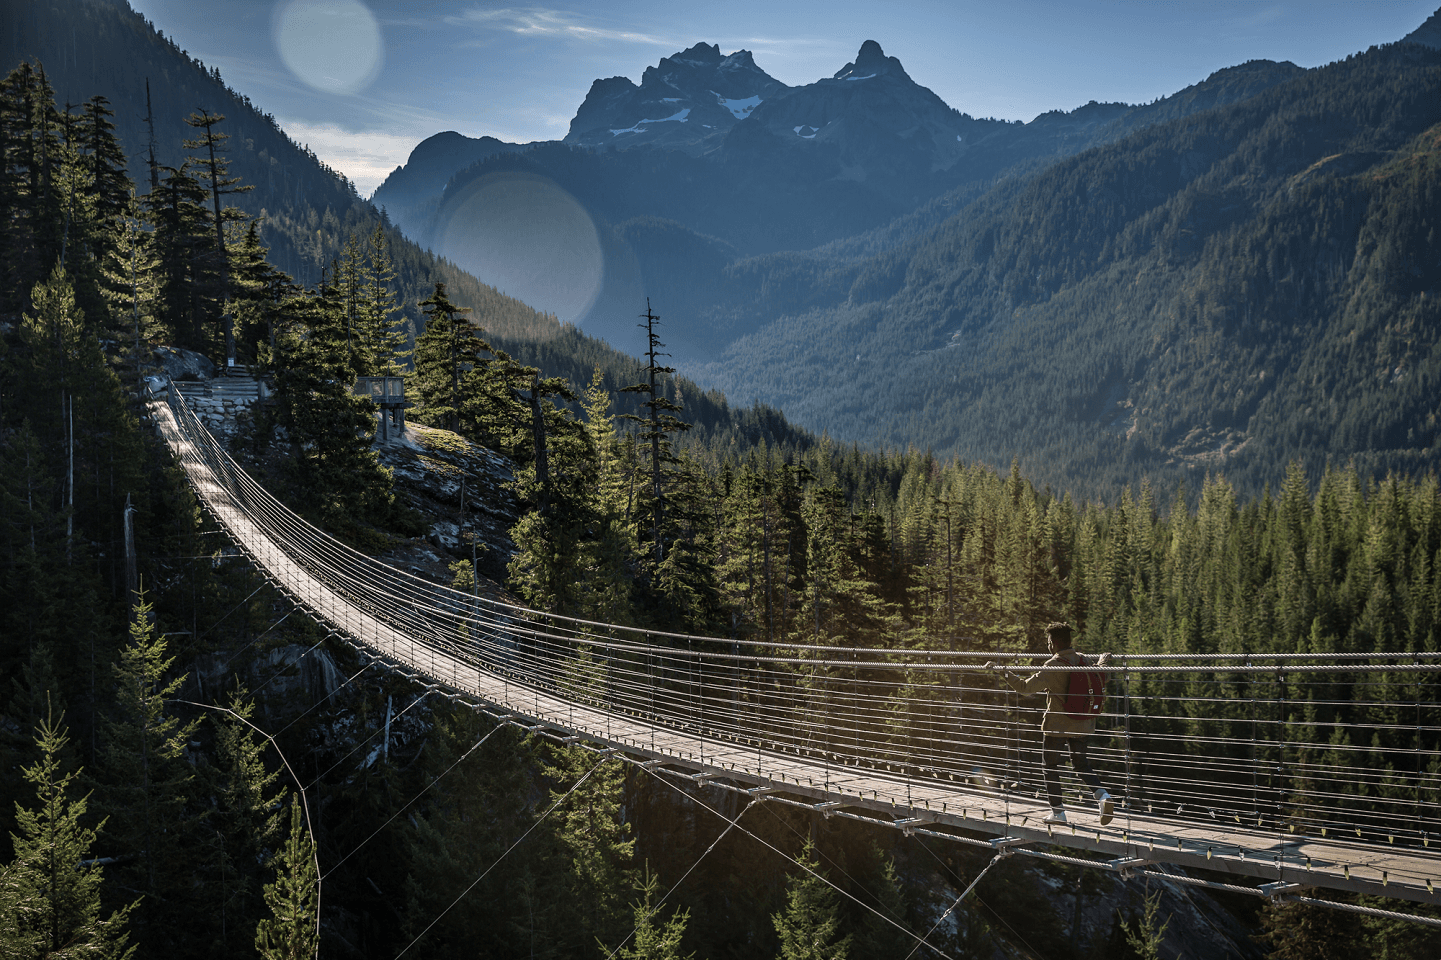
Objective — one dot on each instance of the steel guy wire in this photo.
(807, 869)
(517, 843)
(655, 909)
(401, 809)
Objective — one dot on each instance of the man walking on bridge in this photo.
(1059, 728)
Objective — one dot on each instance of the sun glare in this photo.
(332, 45)
(527, 236)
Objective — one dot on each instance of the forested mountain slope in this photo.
(1224, 292)
(307, 212)
(144, 654)
(102, 47)
(704, 221)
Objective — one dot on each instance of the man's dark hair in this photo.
(1060, 635)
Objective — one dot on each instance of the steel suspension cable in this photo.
(845, 893)
(661, 902)
(402, 808)
(517, 843)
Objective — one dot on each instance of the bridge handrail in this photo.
(1170, 732)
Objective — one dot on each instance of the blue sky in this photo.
(363, 81)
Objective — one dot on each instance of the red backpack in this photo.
(1086, 693)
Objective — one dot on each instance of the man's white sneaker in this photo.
(1107, 805)
(1057, 815)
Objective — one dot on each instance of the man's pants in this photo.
(1051, 747)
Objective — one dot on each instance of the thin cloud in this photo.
(365, 156)
(562, 24)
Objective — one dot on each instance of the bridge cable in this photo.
(661, 902)
(332, 693)
(517, 843)
(372, 736)
(1358, 908)
(845, 893)
(991, 910)
(310, 827)
(261, 635)
(401, 809)
(980, 876)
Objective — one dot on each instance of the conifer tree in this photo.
(257, 290)
(176, 212)
(131, 283)
(878, 939)
(463, 826)
(148, 788)
(1296, 931)
(291, 932)
(655, 430)
(102, 153)
(332, 471)
(450, 347)
(596, 841)
(809, 926)
(651, 940)
(50, 899)
(30, 202)
(214, 169)
(382, 332)
(247, 820)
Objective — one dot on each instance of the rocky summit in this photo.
(686, 99)
(875, 121)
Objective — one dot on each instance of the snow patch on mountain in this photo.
(740, 109)
(640, 126)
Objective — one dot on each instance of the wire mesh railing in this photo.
(1300, 744)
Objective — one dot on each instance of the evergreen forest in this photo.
(191, 766)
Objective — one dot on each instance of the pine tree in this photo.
(30, 202)
(257, 292)
(1146, 935)
(131, 278)
(247, 820)
(52, 890)
(180, 241)
(215, 172)
(462, 827)
(649, 941)
(148, 789)
(809, 926)
(382, 332)
(1295, 931)
(292, 932)
(879, 940)
(655, 431)
(332, 471)
(450, 347)
(596, 842)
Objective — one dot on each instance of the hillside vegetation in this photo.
(1227, 292)
(141, 646)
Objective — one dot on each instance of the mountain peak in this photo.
(680, 102)
(702, 52)
(1428, 34)
(871, 61)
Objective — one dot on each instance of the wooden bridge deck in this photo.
(1405, 872)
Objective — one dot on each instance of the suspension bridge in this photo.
(1225, 764)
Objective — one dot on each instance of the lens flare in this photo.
(525, 235)
(332, 45)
